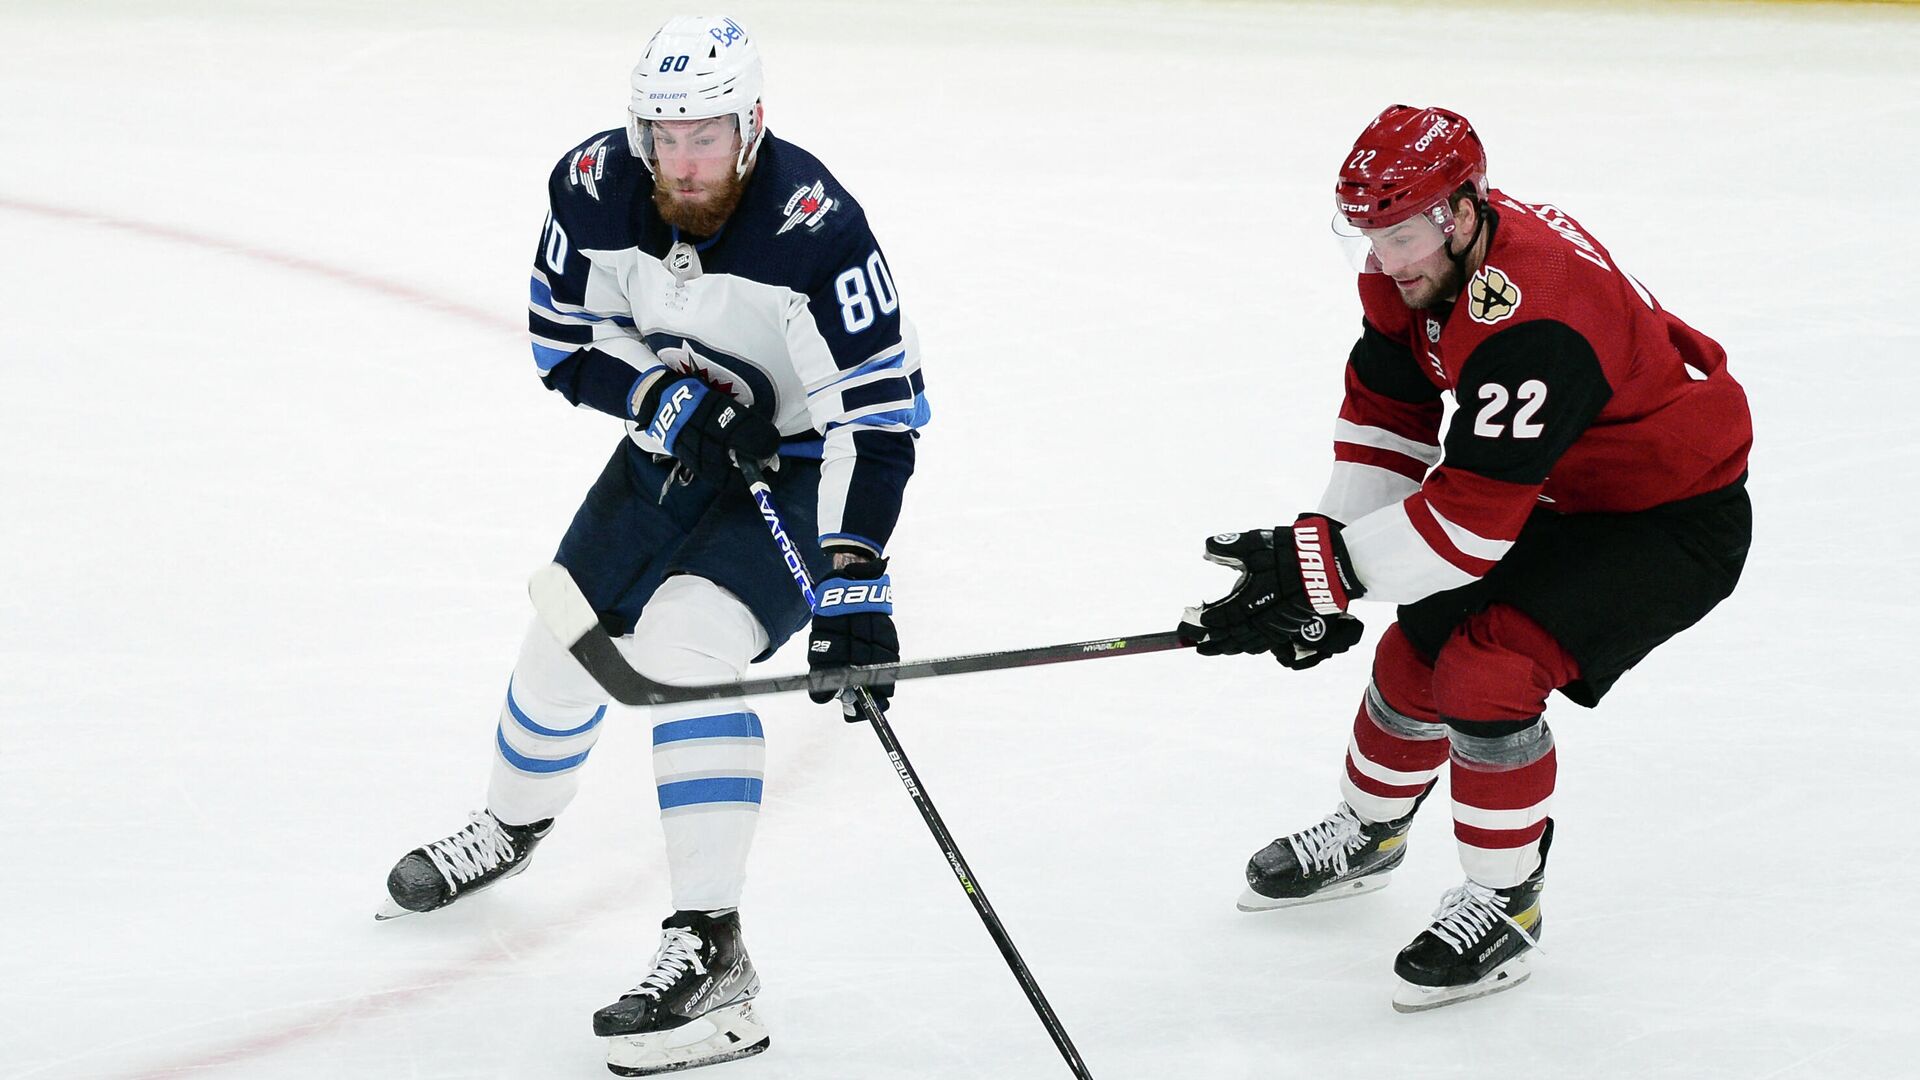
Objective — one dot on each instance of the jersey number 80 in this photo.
(858, 297)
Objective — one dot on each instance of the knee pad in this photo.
(547, 678)
(694, 631)
(1402, 678)
(1500, 744)
(1497, 666)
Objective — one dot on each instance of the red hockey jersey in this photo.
(1575, 390)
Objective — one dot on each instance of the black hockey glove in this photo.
(702, 425)
(853, 626)
(1290, 601)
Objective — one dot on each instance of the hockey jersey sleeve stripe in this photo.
(895, 391)
(543, 303)
(877, 367)
(1379, 438)
(1439, 533)
(548, 358)
(887, 419)
(1466, 541)
(1390, 460)
(558, 334)
(1395, 561)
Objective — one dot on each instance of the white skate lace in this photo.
(1329, 843)
(679, 951)
(474, 850)
(1468, 912)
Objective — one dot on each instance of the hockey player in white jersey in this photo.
(717, 289)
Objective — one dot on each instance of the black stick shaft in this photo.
(877, 718)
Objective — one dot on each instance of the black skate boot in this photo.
(694, 1008)
(1481, 942)
(484, 852)
(1341, 856)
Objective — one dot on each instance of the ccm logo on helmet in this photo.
(1438, 129)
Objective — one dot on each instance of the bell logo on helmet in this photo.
(727, 33)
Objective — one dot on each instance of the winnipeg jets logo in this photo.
(588, 166)
(1491, 297)
(808, 206)
(687, 360)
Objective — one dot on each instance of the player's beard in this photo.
(705, 217)
(1442, 287)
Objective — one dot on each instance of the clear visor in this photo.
(1397, 246)
(714, 139)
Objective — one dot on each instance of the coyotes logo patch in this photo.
(1491, 296)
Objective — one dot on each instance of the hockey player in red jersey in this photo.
(1586, 503)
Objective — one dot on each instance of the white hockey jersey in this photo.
(790, 308)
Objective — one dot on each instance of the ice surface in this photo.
(274, 469)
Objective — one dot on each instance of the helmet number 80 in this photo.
(858, 298)
(673, 63)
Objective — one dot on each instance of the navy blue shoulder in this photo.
(593, 189)
(796, 225)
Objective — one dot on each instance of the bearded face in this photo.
(696, 185)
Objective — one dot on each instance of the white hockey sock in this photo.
(548, 724)
(709, 757)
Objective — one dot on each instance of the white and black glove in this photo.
(1291, 599)
(853, 626)
(702, 425)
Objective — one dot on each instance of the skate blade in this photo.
(390, 910)
(1253, 901)
(1410, 998)
(721, 1035)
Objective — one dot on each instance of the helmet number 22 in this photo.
(1532, 395)
(858, 297)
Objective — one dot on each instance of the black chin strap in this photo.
(1483, 219)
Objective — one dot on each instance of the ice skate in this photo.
(1482, 941)
(1342, 856)
(694, 1008)
(484, 853)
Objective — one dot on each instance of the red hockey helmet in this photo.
(1405, 161)
(1408, 161)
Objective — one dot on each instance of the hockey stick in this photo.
(565, 612)
(875, 716)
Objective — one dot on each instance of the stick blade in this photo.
(562, 607)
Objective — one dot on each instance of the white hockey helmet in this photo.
(695, 68)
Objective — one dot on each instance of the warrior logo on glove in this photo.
(1290, 601)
